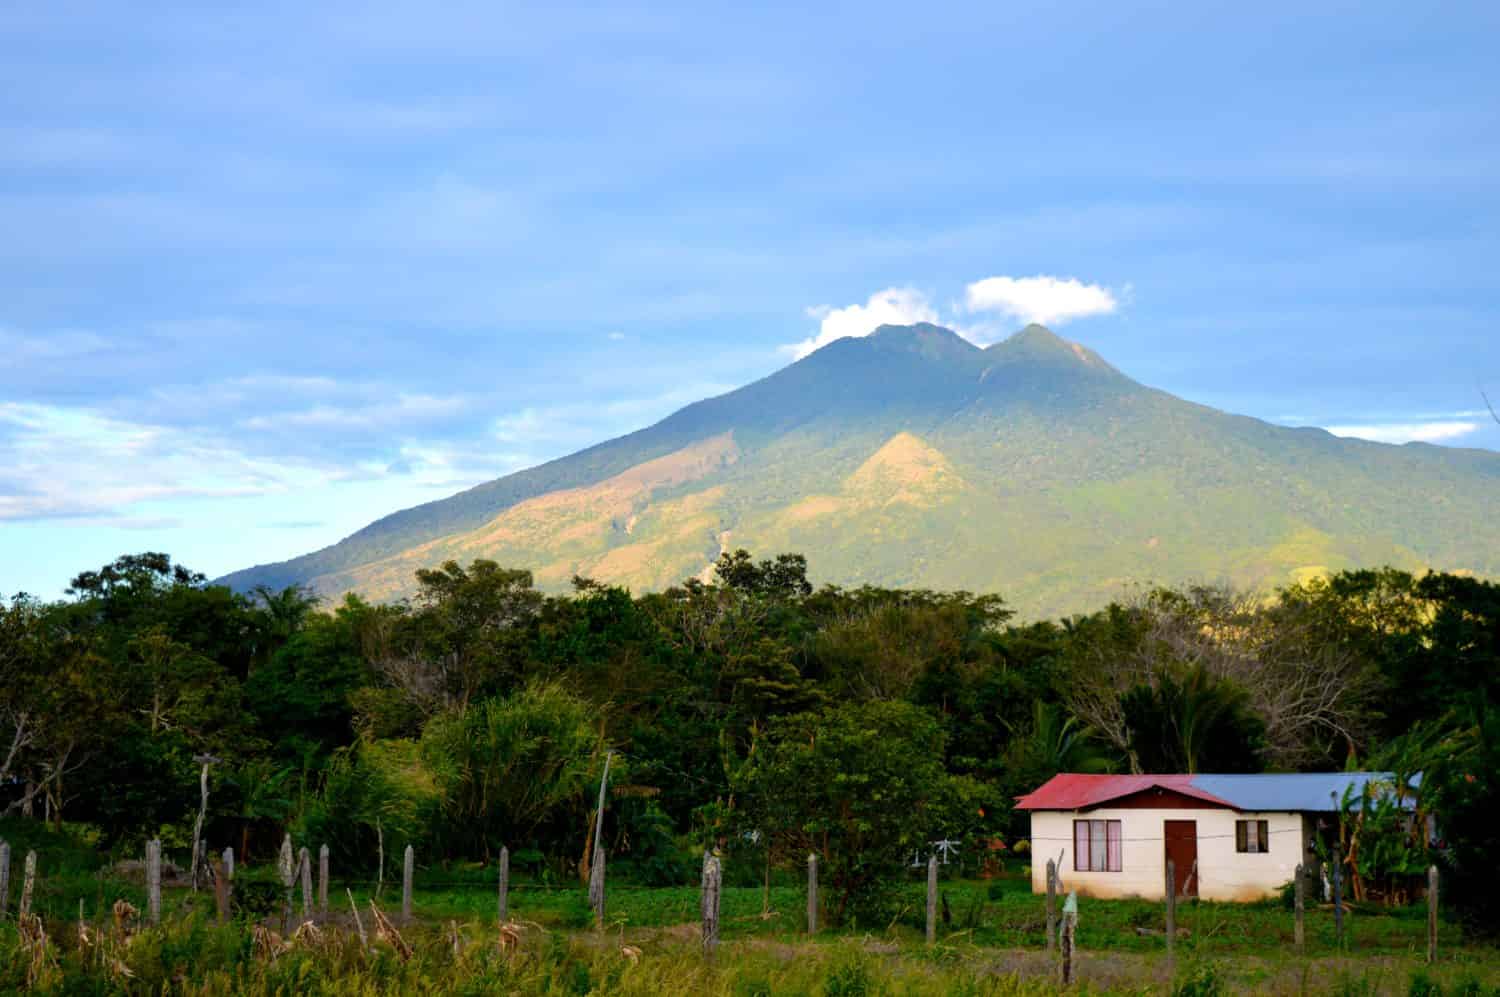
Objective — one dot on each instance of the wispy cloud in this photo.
(1406, 432)
(1044, 299)
(554, 430)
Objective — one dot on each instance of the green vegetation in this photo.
(751, 713)
(913, 459)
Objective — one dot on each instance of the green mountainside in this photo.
(911, 457)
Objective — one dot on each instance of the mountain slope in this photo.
(912, 457)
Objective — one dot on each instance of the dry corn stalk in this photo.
(268, 944)
(34, 943)
(364, 940)
(455, 939)
(386, 931)
(127, 917)
(308, 934)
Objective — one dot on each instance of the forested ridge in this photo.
(753, 713)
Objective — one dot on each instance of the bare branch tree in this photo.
(1311, 693)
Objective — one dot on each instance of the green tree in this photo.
(861, 785)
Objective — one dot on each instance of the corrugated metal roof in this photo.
(1317, 791)
(1303, 791)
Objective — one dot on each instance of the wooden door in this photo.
(1181, 838)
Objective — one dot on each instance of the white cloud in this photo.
(1044, 299)
(893, 306)
(1406, 432)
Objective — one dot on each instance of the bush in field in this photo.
(862, 785)
(372, 791)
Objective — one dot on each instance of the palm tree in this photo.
(1055, 741)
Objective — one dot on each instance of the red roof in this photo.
(1071, 791)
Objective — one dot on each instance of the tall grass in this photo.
(192, 956)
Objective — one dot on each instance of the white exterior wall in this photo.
(1223, 873)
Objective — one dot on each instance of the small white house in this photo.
(1230, 837)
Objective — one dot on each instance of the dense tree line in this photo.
(752, 712)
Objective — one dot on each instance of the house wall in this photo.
(1223, 873)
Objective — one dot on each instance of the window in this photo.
(1251, 836)
(1096, 845)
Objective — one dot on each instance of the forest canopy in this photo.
(750, 711)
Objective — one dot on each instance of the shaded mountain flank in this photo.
(911, 457)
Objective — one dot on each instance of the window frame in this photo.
(1242, 837)
(1112, 839)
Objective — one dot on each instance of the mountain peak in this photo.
(1038, 346)
(925, 334)
(1037, 333)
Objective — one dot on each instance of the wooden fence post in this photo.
(28, 885)
(1171, 911)
(1432, 913)
(1299, 887)
(304, 863)
(288, 877)
(221, 891)
(4, 878)
(153, 881)
(1338, 895)
(812, 893)
(323, 880)
(408, 870)
(1069, 936)
(712, 882)
(931, 899)
(1051, 904)
(200, 852)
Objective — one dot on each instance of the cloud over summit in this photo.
(1045, 299)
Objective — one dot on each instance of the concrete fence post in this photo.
(932, 870)
(4, 878)
(304, 864)
(712, 883)
(1432, 912)
(408, 871)
(1299, 903)
(504, 889)
(153, 881)
(1171, 911)
(812, 894)
(1051, 904)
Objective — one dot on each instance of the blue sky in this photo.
(268, 271)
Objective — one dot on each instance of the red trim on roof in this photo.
(1072, 791)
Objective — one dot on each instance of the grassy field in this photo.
(992, 942)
